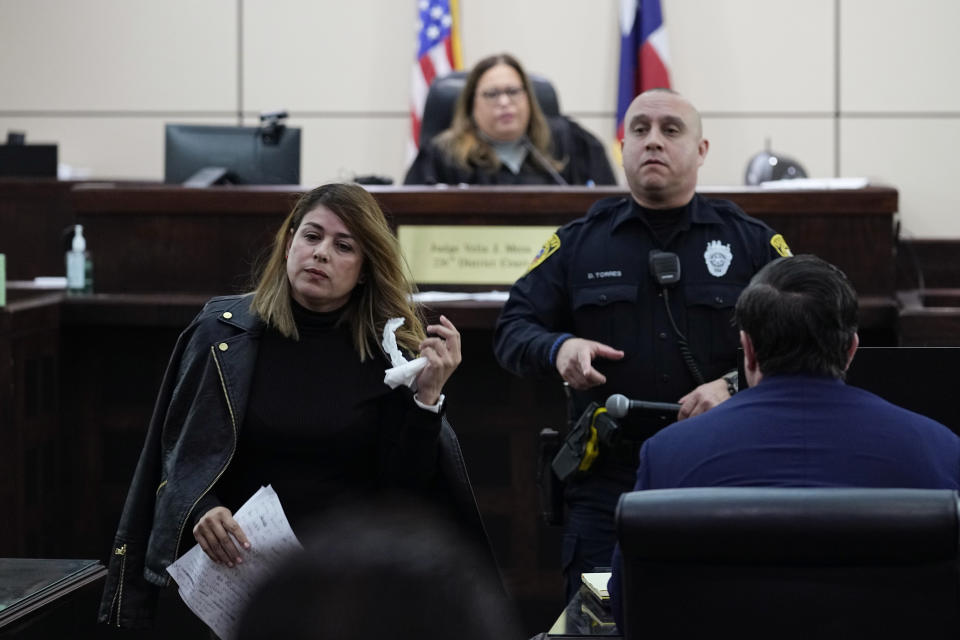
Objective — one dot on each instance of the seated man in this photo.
(799, 424)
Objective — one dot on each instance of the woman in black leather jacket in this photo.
(284, 386)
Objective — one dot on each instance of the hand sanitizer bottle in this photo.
(79, 265)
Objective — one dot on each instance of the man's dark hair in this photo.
(392, 568)
(801, 314)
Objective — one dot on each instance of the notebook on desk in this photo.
(597, 584)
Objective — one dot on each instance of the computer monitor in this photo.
(202, 155)
(28, 160)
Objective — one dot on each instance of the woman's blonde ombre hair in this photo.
(383, 291)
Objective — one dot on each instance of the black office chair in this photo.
(443, 94)
(790, 563)
(453, 490)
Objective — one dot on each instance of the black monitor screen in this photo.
(203, 154)
(920, 379)
(30, 160)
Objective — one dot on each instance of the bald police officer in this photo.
(594, 310)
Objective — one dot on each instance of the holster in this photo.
(582, 445)
(551, 489)
(557, 460)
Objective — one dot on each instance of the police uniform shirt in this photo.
(592, 280)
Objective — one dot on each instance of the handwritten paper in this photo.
(218, 594)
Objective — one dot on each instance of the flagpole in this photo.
(455, 35)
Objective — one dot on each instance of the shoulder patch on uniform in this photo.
(780, 245)
(548, 249)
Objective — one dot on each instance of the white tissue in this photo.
(403, 371)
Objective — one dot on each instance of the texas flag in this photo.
(643, 53)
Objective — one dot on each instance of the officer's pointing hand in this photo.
(575, 362)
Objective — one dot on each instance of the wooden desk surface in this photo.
(140, 235)
(444, 201)
(30, 587)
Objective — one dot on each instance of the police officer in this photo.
(594, 307)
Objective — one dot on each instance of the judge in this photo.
(500, 136)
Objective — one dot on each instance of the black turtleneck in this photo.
(320, 425)
(664, 223)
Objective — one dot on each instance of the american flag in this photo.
(438, 53)
(643, 53)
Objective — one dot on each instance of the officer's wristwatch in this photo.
(733, 382)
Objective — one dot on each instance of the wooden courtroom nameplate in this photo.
(470, 254)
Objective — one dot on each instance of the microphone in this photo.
(618, 405)
(543, 161)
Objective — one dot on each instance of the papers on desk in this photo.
(426, 297)
(218, 594)
(50, 282)
(597, 584)
(816, 184)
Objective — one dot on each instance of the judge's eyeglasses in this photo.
(493, 95)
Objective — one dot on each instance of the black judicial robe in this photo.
(586, 163)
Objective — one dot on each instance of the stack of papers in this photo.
(816, 183)
(597, 584)
(426, 297)
(218, 594)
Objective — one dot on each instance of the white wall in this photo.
(848, 87)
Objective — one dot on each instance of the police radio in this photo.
(665, 267)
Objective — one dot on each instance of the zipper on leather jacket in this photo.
(233, 423)
(118, 597)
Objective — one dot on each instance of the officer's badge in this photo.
(718, 258)
(548, 248)
(780, 245)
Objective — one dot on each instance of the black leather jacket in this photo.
(190, 442)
